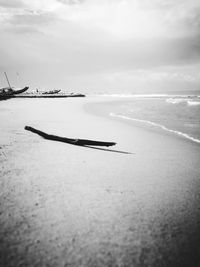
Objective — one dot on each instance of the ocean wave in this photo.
(151, 96)
(183, 100)
(175, 100)
(118, 95)
(193, 103)
(137, 95)
(157, 125)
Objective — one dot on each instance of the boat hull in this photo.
(20, 91)
(51, 92)
(9, 92)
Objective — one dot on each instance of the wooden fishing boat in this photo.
(16, 92)
(2, 97)
(51, 92)
(8, 92)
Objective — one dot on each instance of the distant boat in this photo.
(4, 97)
(51, 92)
(8, 92)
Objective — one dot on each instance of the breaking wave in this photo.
(136, 95)
(193, 103)
(189, 102)
(158, 126)
(170, 96)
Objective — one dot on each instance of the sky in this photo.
(99, 46)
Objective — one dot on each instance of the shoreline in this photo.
(63, 204)
(100, 108)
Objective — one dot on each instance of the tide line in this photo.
(157, 125)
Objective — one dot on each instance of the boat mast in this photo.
(7, 79)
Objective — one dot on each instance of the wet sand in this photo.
(65, 205)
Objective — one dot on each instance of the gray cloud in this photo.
(12, 3)
(70, 49)
(29, 22)
(192, 21)
(32, 19)
(24, 29)
(71, 2)
(79, 54)
(179, 15)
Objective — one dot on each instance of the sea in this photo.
(176, 114)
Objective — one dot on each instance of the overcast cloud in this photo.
(96, 45)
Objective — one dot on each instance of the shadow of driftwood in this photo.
(77, 142)
(110, 150)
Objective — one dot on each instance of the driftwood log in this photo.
(78, 142)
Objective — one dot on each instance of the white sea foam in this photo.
(193, 103)
(151, 96)
(183, 100)
(137, 95)
(118, 95)
(176, 100)
(157, 125)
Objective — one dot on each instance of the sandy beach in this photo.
(134, 204)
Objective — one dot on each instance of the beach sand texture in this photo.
(66, 205)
